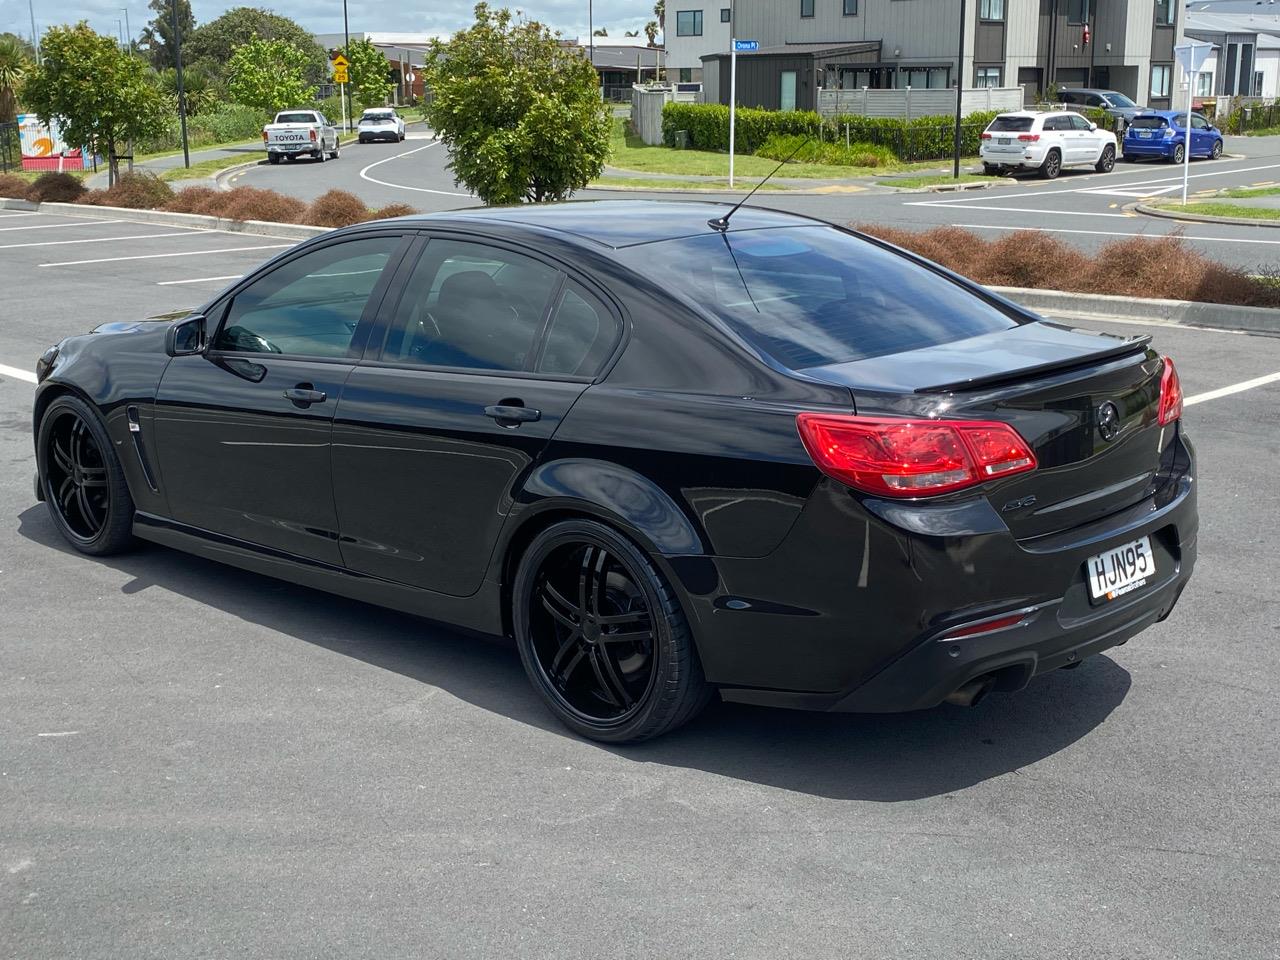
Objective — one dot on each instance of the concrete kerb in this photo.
(263, 228)
(1181, 312)
(1202, 217)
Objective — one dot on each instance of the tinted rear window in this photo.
(1148, 123)
(296, 117)
(810, 296)
(1011, 124)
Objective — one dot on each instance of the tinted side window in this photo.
(1080, 123)
(471, 305)
(1010, 124)
(311, 305)
(581, 335)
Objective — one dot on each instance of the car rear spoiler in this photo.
(1132, 345)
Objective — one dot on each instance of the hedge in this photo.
(229, 123)
(921, 138)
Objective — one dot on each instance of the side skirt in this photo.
(480, 612)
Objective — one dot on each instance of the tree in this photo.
(218, 39)
(370, 74)
(157, 36)
(660, 11)
(520, 115)
(600, 32)
(15, 61)
(651, 31)
(631, 33)
(99, 96)
(270, 75)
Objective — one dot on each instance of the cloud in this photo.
(410, 16)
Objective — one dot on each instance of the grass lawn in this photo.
(722, 186)
(629, 152)
(205, 168)
(196, 149)
(936, 181)
(30, 175)
(1239, 192)
(1216, 209)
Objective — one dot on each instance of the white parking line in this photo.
(364, 174)
(8, 215)
(17, 373)
(51, 226)
(1110, 233)
(173, 283)
(56, 243)
(1233, 388)
(185, 253)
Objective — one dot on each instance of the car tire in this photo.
(337, 149)
(1216, 152)
(1107, 162)
(1052, 165)
(321, 155)
(990, 170)
(82, 480)
(1178, 155)
(578, 583)
(273, 158)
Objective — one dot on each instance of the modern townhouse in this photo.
(1124, 45)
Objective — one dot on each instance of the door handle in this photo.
(512, 416)
(305, 395)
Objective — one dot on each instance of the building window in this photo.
(991, 10)
(806, 8)
(987, 77)
(1204, 84)
(688, 23)
(1078, 10)
(726, 14)
(1164, 13)
(1161, 80)
(1257, 83)
(686, 75)
(850, 8)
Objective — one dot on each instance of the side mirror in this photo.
(186, 338)
(1093, 126)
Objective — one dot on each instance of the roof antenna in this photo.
(722, 223)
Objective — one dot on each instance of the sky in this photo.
(325, 16)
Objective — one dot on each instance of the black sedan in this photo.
(668, 454)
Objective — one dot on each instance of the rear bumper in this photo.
(309, 146)
(846, 615)
(369, 135)
(1141, 148)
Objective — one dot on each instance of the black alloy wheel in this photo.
(84, 486)
(602, 637)
(1052, 165)
(1107, 162)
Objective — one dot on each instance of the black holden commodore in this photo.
(671, 453)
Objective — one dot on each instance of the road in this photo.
(199, 762)
(1084, 208)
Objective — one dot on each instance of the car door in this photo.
(1085, 140)
(1201, 137)
(243, 430)
(484, 350)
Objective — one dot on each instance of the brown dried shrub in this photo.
(393, 210)
(336, 208)
(1031, 258)
(55, 188)
(188, 198)
(138, 191)
(13, 186)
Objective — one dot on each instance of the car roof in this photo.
(618, 223)
(1086, 90)
(1167, 114)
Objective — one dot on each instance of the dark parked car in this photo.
(1162, 133)
(1118, 106)
(669, 456)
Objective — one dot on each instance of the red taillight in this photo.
(985, 135)
(264, 134)
(912, 458)
(1028, 137)
(986, 626)
(313, 135)
(1170, 393)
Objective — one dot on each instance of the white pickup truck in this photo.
(300, 132)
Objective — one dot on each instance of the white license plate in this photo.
(1120, 570)
(1003, 140)
(1144, 134)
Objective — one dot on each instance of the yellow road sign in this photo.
(340, 62)
(339, 74)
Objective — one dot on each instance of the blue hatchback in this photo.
(1161, 133)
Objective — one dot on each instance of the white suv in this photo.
(1047, 142)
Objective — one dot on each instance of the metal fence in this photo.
(1253, 116)
(10, 147)
(616, 93)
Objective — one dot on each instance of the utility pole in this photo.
(127, 29)
(35, 37)
(120, 31)
(346, 52)
(182, 97)
(959, 94)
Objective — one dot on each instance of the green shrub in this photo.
(808, 150)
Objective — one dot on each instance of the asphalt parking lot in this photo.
(200, 762)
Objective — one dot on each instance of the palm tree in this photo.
(660, 11)
(651, 31)
(14, 64)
